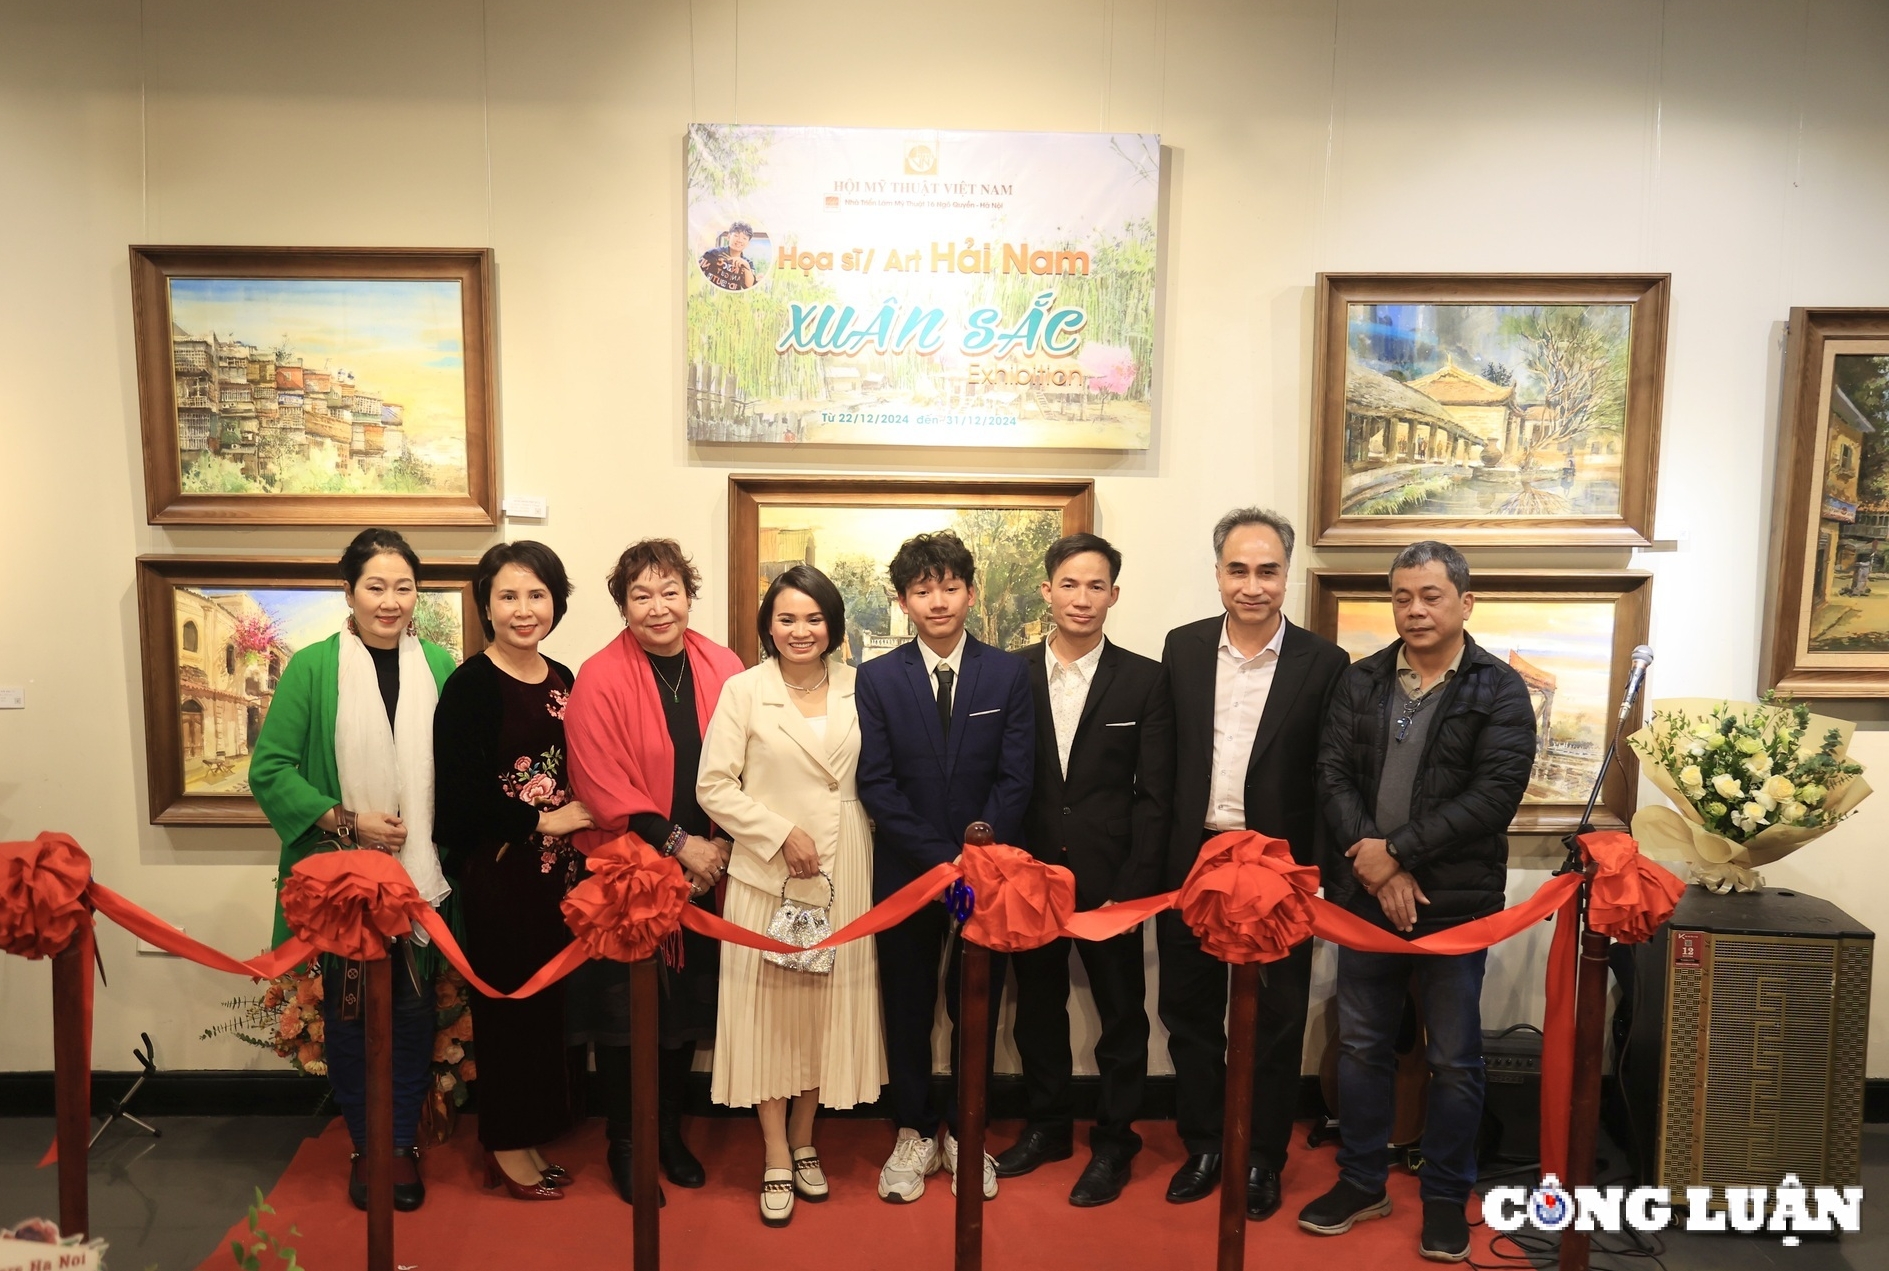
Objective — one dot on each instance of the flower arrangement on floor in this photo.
(453, 1064)
(1751, 782)
(286, 1019)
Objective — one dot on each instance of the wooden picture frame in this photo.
(1440, 440)
(845, 512)
(1572, 642)
(238, 433)
(211, 660)
(1830, 510)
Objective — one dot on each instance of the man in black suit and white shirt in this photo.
(1104, 763)
(1250, 692)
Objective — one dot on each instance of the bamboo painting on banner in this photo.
(887, 287)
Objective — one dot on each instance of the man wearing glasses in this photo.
(1424, 760)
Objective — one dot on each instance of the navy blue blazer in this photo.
(922, 794)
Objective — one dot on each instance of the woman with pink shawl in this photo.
(634, 726)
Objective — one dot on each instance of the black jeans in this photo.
(1119, 985)
(1194, 1007)
(346, 1040)
(908, 995)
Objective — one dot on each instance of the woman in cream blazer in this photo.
(777, 775)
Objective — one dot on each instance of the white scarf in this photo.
(391, 770)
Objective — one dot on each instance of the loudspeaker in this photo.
(1511, 1101)
(1745, 1057)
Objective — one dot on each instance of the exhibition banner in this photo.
(891, 287)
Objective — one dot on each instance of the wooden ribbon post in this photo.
(973, 1058)
(72, 1095)
(377, 1005)
(1590, 1021)
(1236, 1129)
(645, 1095)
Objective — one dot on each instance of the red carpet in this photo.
(1029, 1225)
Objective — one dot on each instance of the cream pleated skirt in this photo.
(780, 1032)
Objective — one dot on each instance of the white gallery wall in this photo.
(1744, 147)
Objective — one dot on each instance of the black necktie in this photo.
(945, 677)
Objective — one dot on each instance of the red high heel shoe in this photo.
(495, 1176)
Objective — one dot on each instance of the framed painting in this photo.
(1827, 624)
(216, 633)
(1487, 409)
(1571, 636)
(316, 386)
(849, 527)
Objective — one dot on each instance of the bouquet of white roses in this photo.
(1747, 786)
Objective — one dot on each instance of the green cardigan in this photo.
(292, 771)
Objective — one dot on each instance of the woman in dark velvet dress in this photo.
(503, 823)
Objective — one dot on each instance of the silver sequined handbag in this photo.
(803, 926)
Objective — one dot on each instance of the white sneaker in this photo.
(950, 1144)
(902, 1177)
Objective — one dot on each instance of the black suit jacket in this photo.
(1107, 820)
(1281, 772)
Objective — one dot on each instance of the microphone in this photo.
(1642, 658)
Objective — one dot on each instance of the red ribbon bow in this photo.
(1247, 899)
(42, 895)
(1629, 897)
(351, 904)
(1021, 902)
(631, 902)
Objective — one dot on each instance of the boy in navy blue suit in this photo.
(947, 736)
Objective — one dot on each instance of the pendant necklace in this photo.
(675, 690)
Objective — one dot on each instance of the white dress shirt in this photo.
(953, 659)
(1240, 688)
(1068, 693)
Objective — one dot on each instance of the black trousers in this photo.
(1193, 1002)
(1119, 985)
(909, 955)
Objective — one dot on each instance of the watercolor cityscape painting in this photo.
(322, 386)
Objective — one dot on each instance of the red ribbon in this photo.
(1245, 898)
(1628, 898)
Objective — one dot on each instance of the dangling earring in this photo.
(352, 629)
(413, 628)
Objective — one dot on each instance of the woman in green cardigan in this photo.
(345, 760)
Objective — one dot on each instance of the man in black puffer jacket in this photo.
(1424, 759)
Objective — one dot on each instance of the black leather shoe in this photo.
(617, 1155)
(1262, 1192)
(1195, 1179)
(1102, 1178)
(357, 1182)
(1039, 1146)
(679, 1165)
(409, 1191)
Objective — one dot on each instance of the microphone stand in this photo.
(1590, 1010)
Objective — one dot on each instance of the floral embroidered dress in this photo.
(500, 757)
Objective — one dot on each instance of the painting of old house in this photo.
(1511, 421)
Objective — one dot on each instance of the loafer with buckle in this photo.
(809, 1177)
(1039, 1146)
(1195, 1179)
(777, 1196)
(1102, 1178)
(1262, 1192)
